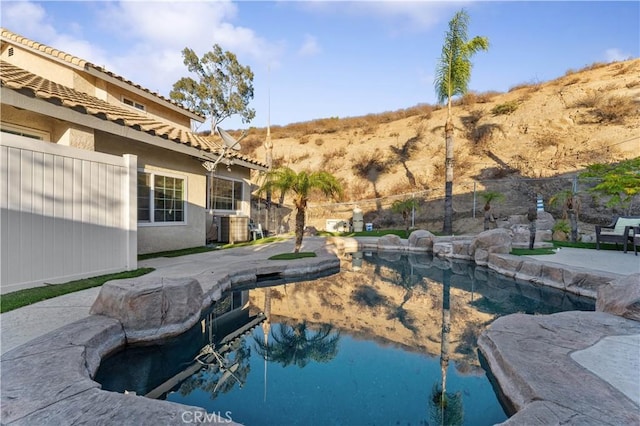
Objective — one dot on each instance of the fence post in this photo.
(474, 199)
(130, 209)
(413, 210)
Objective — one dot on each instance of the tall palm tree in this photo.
(301, 185)
(452, 78)
(446, 407)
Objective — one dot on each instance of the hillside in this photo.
(531, 133)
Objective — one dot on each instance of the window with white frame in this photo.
(133, 103)
(161, 198)
(225, 194)
(27, 132)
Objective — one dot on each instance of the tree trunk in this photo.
(447, 228)
(446, 328)
(532, 234)
(573, 220)
(300, 214)
(488, 218)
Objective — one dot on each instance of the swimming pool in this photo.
(373, 344)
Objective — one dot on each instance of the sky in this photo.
(326, 59)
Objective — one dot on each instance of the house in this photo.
(57, 98)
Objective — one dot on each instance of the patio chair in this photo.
(255, 229)
(619, 232)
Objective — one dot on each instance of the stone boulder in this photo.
(560, 236)
(621, 297)
(421, 239)
(521, 235)
(533, 360)
(390, 242)
(544, 222)
(492, 241)
(151, 308)
(310, 231)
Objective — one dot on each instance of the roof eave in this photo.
(96, 72)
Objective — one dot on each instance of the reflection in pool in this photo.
(389, 340)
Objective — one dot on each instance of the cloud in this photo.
(26, 18)
(197, 25)
(310, 47)
(614, 55)
(30, 20)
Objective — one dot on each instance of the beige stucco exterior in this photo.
(155, 154)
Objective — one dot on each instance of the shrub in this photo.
(572, 80)
(545, 140)
(615, 109)
(589, 100)
(505, 108)
(632, 84)
(562, 226)
(369, 166)
(319, 141)
(486, 97)
(624, 69)
(530, 86)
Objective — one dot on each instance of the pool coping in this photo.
(68, 358)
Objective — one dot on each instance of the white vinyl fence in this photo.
(65, 213)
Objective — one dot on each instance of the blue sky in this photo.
(332, 58)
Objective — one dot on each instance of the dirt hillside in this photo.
(531, 133)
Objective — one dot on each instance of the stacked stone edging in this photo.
(49, 380)
(530, 358)
(490, 248)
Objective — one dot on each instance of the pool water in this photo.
(372, 345)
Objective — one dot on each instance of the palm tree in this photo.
(452, 78)
(570, 209)
(446, 407)
(488, 197)
(405, 207)
(301, 185)
(297, 345)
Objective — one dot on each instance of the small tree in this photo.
(619, 182)
(223, 87)
(301, 185)
(570, 209)
(405, 207)
(488, 197)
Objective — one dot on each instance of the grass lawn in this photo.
(290, 256)
(20, 298)
(204, 249)
(558, 244)
(377, 233)
(536, 251)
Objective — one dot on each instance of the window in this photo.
(161, 199)
(134, 104)
(25, 132)
(225, 194)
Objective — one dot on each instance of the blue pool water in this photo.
(371, 345)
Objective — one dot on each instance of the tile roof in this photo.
(27, 83)
(81, 63)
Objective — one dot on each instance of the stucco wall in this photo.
(161, 237)
(39, 65)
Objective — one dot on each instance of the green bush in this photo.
(505, 108)
(561, 226)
